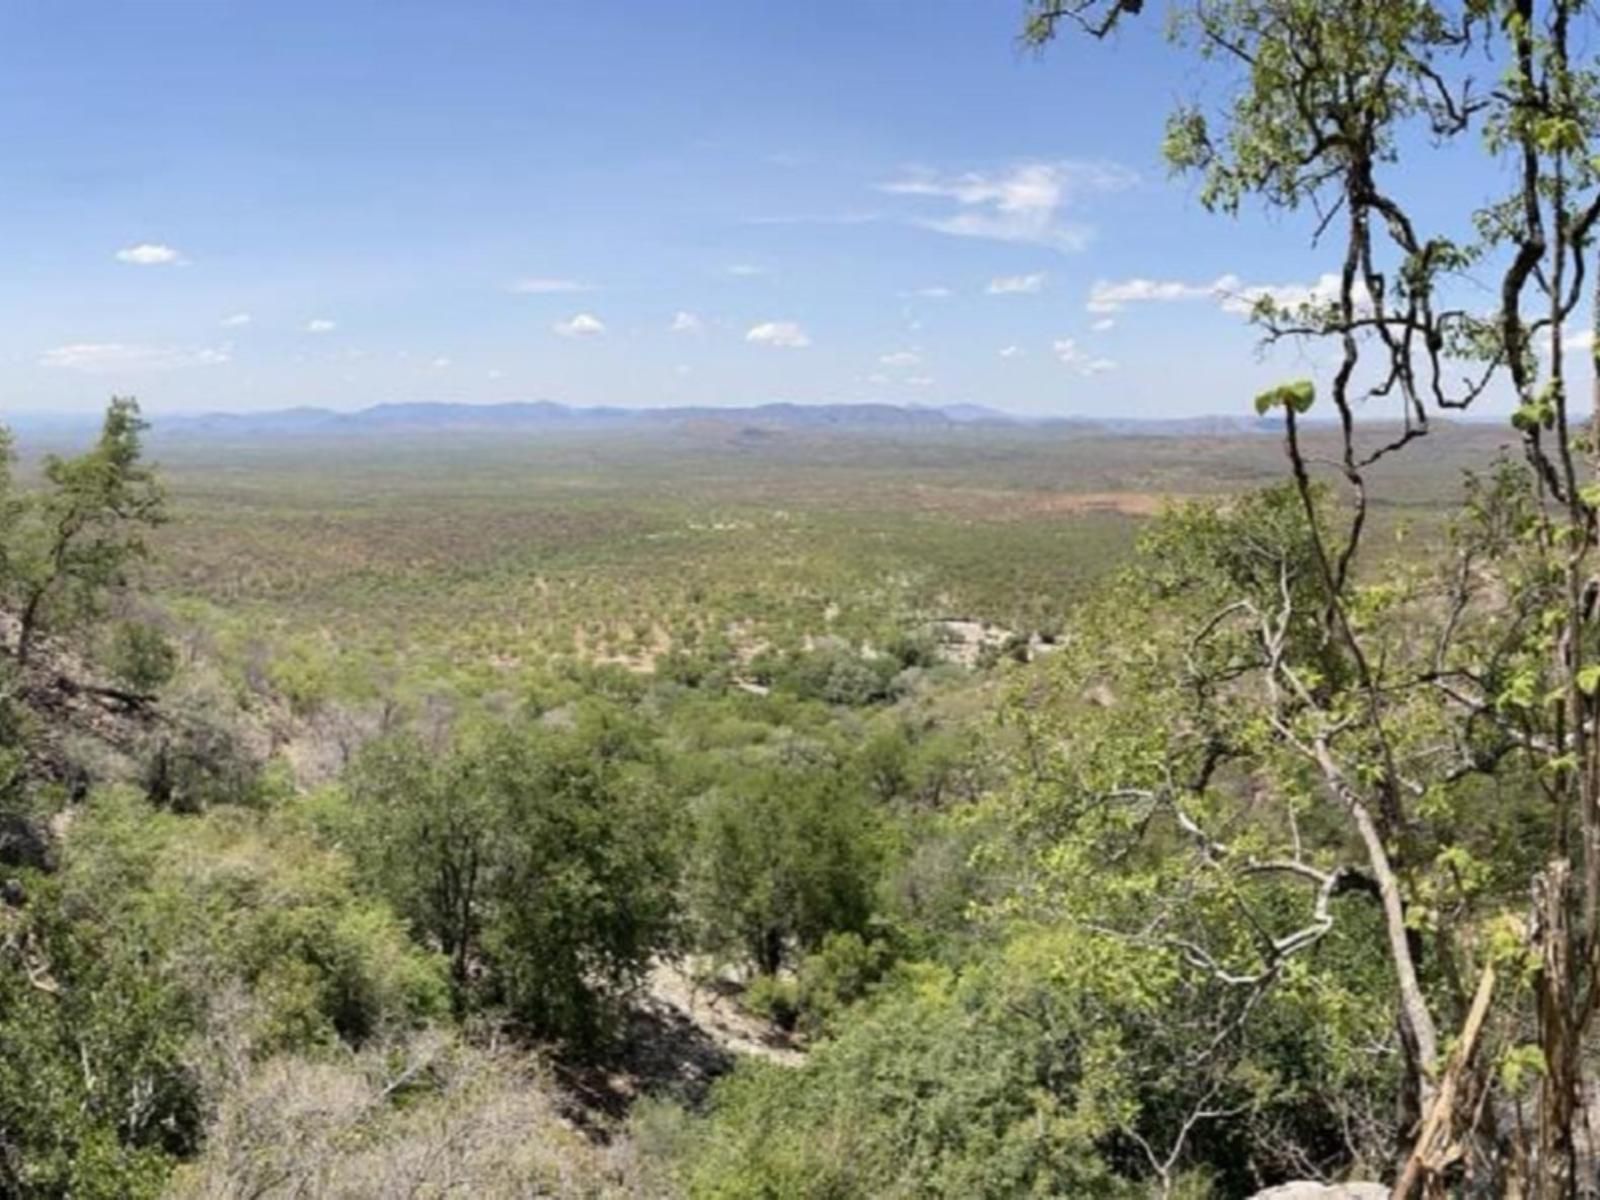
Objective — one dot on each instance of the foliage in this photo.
(1384, 704)
(70, 543)
(842, 970)
(1145, 737)
(199, 763)
(784, 857)
(116, 1023)
(931, 1094)
(545, 856)
(141, 656)
(1067, 1063)
(714, 704)
(24, 806)
(96, 1095)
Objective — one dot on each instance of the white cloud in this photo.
(878, 379)
(236, 321)
(1010, 351)
(746, 270)
(1023, 204)
(920, 381)
(549, 287)
(109, 358)
(1069, 352)
(582, 325)
(783, 334)
(1230, 292)
(1016, 285)
(1107, 297)
(495, 373)
(1237, 297)
(929, 293)
(440, 363)
(1103, 324)
(687, 322)
(1579, 341)
(901, 358)
(149, 254)
(321, 325)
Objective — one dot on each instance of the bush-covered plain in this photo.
(410, 776)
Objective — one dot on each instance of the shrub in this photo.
(141, 656)
(196, 765)
(841, 971)
(926, 1096)
(783, 858)
(96, 1095)
(775, 997)
(425, 1116)
(546, 856)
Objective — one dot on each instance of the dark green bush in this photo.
(141, 656)
(545, 856)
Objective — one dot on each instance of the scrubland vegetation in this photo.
(360, 872)
(984, 813)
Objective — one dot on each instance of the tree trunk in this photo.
(770, 955)
(29, 626)
(1436, 1146)
(1560, 1101)
(1417, 1027)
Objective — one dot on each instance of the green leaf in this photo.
(1533, 414)
(1299, 395)
(1589, 679)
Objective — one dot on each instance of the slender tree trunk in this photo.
(462, 958)
(1560, 1089)
(1417, 1026)
(29, 626)
(771, 954)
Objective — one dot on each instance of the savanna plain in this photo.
(636, 814)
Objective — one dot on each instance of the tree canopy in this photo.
(1318, 720)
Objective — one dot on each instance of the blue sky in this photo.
(234, 205)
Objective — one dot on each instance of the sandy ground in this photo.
(719, 1017)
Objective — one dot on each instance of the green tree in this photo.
(161, 958)
(1371, 706)
(75, 540)
(548, 858)
(428, 827)
(141, 656)
(96, 1098)
(585, 888)
(783, 858)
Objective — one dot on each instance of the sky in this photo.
(225, 205)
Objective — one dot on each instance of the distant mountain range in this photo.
(540, 416)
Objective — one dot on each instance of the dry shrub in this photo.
(430, 1118)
